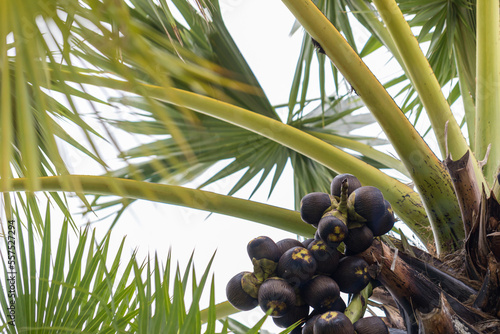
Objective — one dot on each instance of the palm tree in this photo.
(190, 89)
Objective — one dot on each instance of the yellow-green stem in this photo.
(222, 310)
(488, 85)
(5, 103)
(197, 199)
(429, 175)
(373, 21)
(362, 148)
(357, 307)
(8, 207)
(426, 84)
(468, 102)
(405, 201)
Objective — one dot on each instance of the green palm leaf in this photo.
(82, 291)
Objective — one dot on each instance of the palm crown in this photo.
(188, 87)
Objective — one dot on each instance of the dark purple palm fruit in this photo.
(314, 205)
(336, 184)
(333, 322)
(371, 325)
(308, 327)
(339, 305)
(295, 314)
(297, 330)
(265, 255)
(278, 294)
(296, 265)
(288, 243)
(365, 205)
(321, 292)
(385, 223)
(351, 274)
(332, 230)
(327, 258)
(306, 242)
(242, 291)
(358, 240)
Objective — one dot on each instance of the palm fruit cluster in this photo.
(351, 214)
(302, 281)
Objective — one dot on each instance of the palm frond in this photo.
(89, 290)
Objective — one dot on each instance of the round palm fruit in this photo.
(351, 274)
(371, 325)
(309, 324)
(296, 265)
(333, 322)
(327, 258)
(306, 242)
(339, 305)
(288, 243)
(332, 230)
(313, 206)
(295, 314)
(358, 240)
(278, 294)
(385, 223)
(263, 248)
(242, 291)
(265, 255)
(336, 185)
(365, 204)
(321, 292)
(296, 330)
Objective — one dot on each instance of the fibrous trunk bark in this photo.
(419, 297)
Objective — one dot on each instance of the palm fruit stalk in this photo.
(359, 301)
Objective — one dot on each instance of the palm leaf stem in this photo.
(6, 107)
(487, 85)
(363, 9)
(197, 199)
(465, 48)
(426, 84)
(469, 108)
(429, 175)
(362, 148)
(222, 310)
(405, 201)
